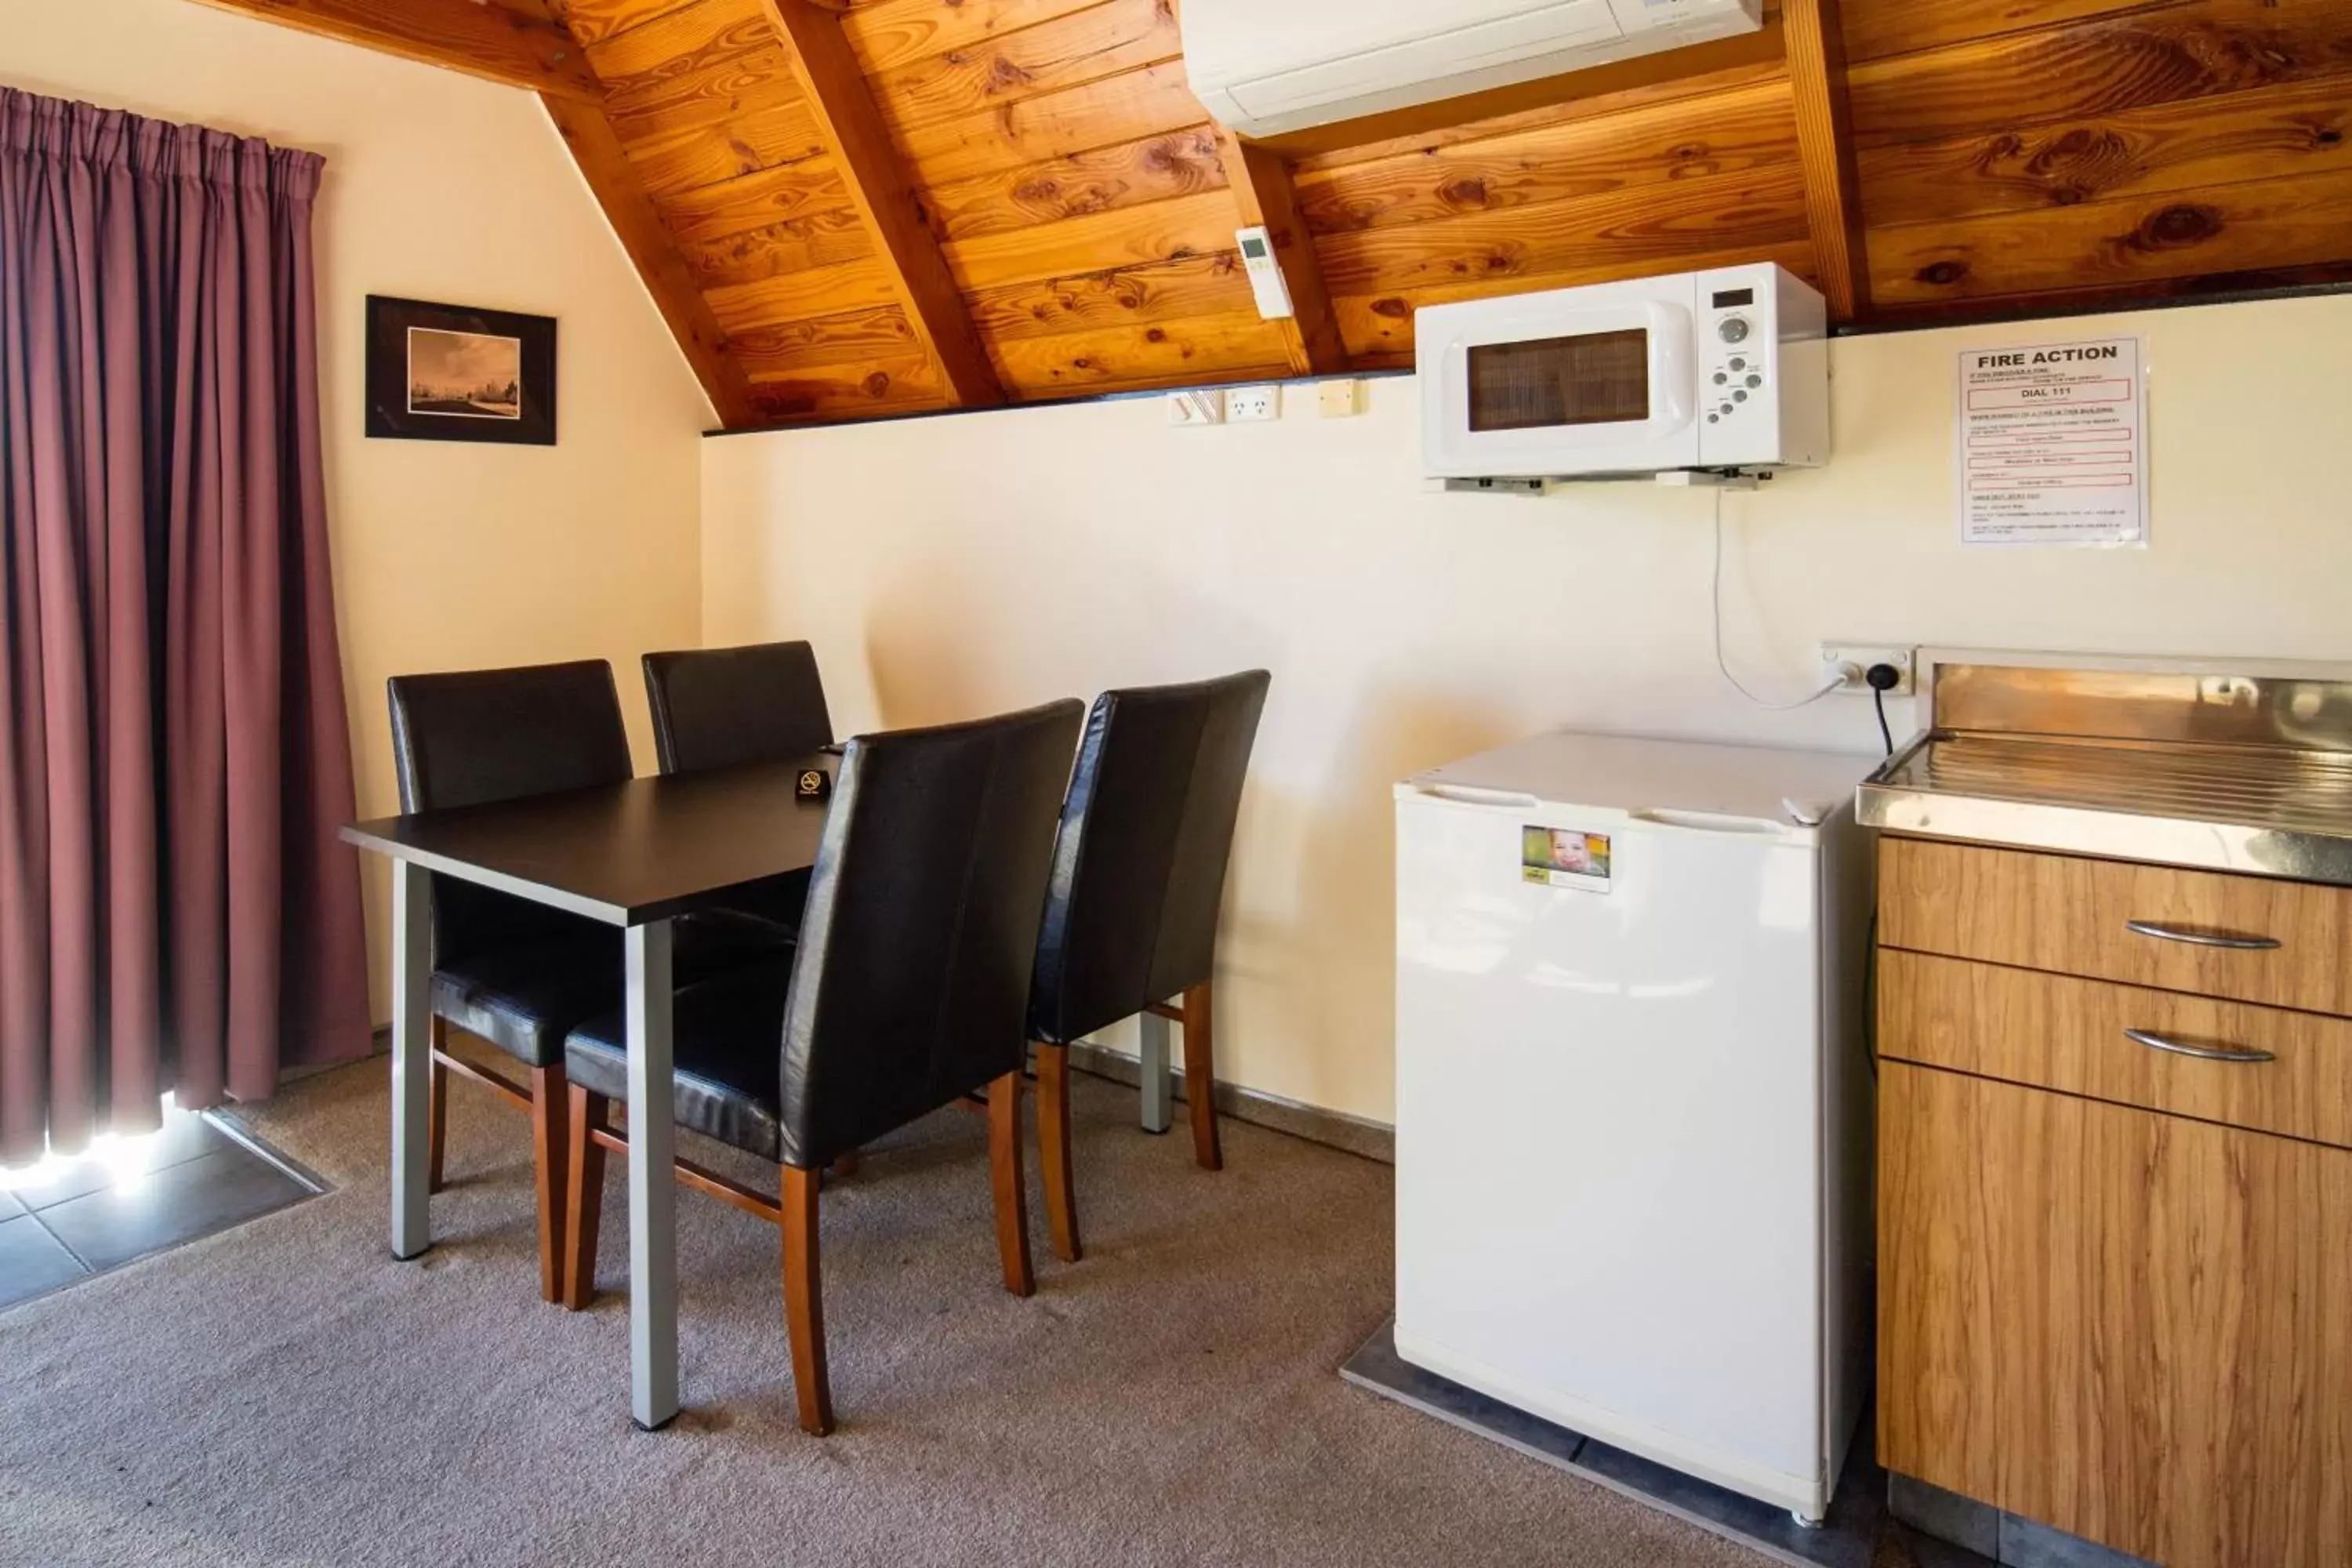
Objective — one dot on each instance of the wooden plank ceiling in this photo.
(934, 202)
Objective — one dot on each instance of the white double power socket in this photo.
(1849, 662)
(1244, 404)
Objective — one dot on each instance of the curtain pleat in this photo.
(174, 754)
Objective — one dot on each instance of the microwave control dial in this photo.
(1734, 329)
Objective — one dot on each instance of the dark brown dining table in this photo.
(634, 856)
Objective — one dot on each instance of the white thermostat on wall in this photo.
(1265, 272)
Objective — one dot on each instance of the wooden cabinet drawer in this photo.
(2073, 916)
(2064, 1033)
(2134, 1327)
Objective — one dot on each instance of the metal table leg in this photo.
(412, 1054)
(653, 1185)
(1158, 1087)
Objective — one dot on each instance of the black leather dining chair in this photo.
(516, 973)
(909, 990)
(723, 707)
(1131, 913)
(728, 707)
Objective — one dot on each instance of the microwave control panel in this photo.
(1755, 325)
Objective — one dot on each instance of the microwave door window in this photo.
(1593, 378)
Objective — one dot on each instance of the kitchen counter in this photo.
(2228, 772)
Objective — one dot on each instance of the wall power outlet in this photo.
(1245, 404)
(1850, 660)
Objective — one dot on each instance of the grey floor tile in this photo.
(185, 1136)
(9, 1207)
(32, 1263)
(211, 1192)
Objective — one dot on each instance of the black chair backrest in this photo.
(911, 984)
(471, 737)
(719, 708)
(1140, 863)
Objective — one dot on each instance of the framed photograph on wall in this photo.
(447, 372)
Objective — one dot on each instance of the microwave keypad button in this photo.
(1727, 408)
(1715, 418)
(1755, 380)
(1740, 396)
(1734, 329)
(1720, 378)
(1739, 364)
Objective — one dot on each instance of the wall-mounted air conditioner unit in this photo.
(1265, 67)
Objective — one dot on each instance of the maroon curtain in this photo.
(174, 913)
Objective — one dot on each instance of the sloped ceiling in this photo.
(890, 206)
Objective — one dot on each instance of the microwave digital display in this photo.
(1593, 378)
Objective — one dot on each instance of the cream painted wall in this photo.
(439, 187)
(951, 566)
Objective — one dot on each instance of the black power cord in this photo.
(1883, 678)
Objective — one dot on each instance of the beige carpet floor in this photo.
(286, 1394)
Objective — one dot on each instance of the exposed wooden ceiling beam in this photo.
(885, 194)
(1816, 42)
(486, 41)
(1262, 193)
(667, 276)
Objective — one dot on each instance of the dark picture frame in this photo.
(451, 373)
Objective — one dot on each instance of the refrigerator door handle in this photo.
(1708, 821)
(1470, 794)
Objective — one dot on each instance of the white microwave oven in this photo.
(1721, 371)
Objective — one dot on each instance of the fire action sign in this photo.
(2054, 444)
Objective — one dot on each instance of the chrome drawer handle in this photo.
(2156, 1042)
(2197, 937)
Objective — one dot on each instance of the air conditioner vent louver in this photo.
(1265, 67)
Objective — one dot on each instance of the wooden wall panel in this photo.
(2108, 150)
(1731, 133)
(1103, 179)
(1877, 28)
(803, 292)
(755, 201)
(824, 240)
(696, 155)
(1161, 231)
(2259, 225)
(880, 334)
(888, 33)
(1521, 247)
(2170, 147)
(1090, 301)
(1198, 349)
(1053, 125)
(1103, 40)
(2198, 49)
(859, 390)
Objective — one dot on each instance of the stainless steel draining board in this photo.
(2266, 810)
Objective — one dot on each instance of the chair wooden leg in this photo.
(550, 1146)
(1053, 1149)
(805, 1300)
(437, 1108)
(1200, 1075)
(583, 1204)
(1012, 1192)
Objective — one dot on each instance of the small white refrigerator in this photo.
(1634, 1098)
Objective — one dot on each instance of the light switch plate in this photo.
(1248, 404)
